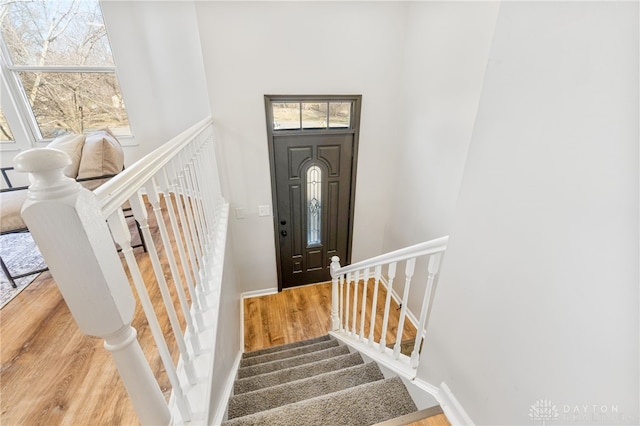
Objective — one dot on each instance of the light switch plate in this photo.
(239, 213)
(264, 211)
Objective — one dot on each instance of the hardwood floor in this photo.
(437, 420)
(51, 373)
(305, 312)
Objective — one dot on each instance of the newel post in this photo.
(66, 222)
(335, 318)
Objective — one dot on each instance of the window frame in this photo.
(354, 121)
(24, 118)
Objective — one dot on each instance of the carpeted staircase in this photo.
(314, 382)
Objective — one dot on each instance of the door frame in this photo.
(354, 129)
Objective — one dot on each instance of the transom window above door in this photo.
(321, 114)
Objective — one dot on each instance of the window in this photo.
(59, 66)
(312, 115)
(5, 131)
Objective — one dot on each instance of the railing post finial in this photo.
(46, 168)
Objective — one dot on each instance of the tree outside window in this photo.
(63, 68)
(5, 132)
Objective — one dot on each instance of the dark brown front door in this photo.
(313, 149)
(313, 188)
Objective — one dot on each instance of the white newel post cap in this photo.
(335, 264)
(66, 222)
(46, 168)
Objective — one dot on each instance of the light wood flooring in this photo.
(437, 420)
(52, 374)
(305, 312)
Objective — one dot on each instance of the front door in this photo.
(312, 172)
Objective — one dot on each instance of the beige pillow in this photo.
(102, 155)
(72, 145)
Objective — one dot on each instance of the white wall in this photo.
(255, 48)
(156, 48)
(446, 52)
(538, 298)
(445, 55)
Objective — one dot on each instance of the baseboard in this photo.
(258, 293)
(221, 410)
(427, 387)
(452, 407)
(396, 298)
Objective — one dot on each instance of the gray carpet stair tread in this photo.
(285, 347)
(288, 353)
(296, 373)
(299, 390)
(358, 406)
(268, 367)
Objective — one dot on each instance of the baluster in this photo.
(346, 311)
(121, 235)
(66, 223)
(374, 305)
(408, 271)
(356, 280)
(213, 170)
(387, 306)
(341, 302)
(188, 242)
(198, 199)
(195, 300)
(207, 196)
(186, 200)
(363, 312)
(154, 199)
(195, 211)
(434, 266)
(140, 214)
(335, 319)
(206, 182)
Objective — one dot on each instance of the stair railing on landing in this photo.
(351, 280)
(75, 230)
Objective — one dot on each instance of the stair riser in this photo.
(290, 353)
(362, 405)
(277, 396)
(285, 347)
(272, 366)
(296, 373)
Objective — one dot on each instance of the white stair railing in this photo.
(350, 285)
(76, 231)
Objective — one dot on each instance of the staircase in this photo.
(314, 382)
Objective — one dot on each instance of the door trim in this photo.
(353, 129)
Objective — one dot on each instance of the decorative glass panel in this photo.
(286, 115)
(314, 205)
(5, 132)
(340, 114)
(314, 115)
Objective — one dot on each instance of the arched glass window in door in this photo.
(314, 205)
